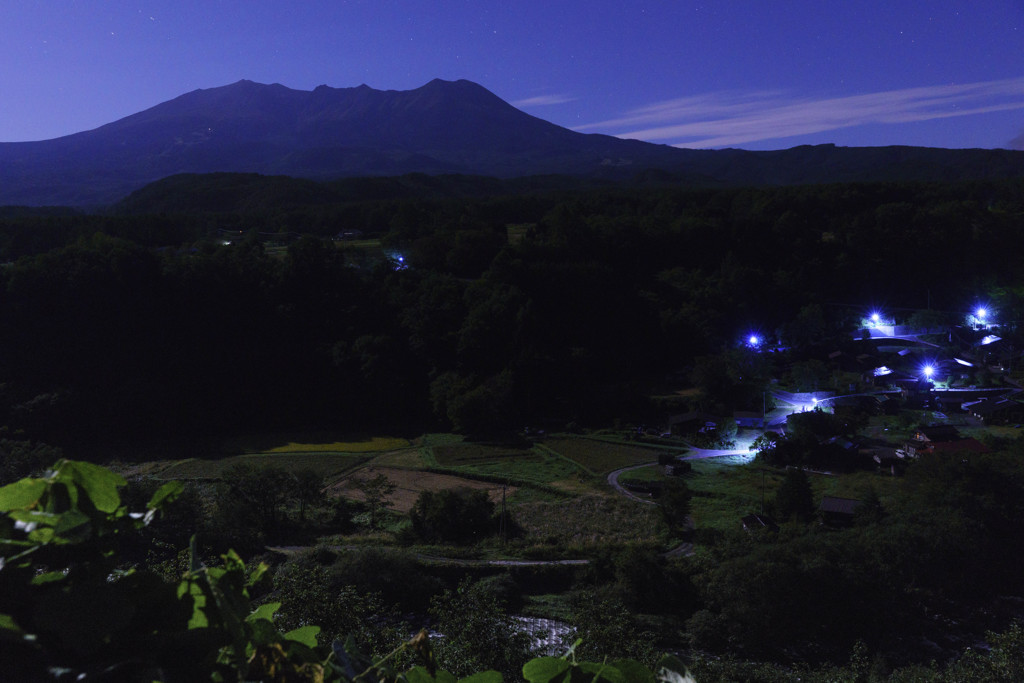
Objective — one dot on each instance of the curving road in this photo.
(613, 481)
(683, 549)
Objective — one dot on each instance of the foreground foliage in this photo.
(69, 610)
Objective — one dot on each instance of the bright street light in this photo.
(928, 371)
(981, 313)
(754, 340)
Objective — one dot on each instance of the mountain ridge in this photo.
(441, 127)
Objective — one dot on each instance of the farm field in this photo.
(409, 484)
(649, 473)
(600, 457)
(724, 492)
(313, 442)
(589, 521)
(527, 464)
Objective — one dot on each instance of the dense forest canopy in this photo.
(509, 306)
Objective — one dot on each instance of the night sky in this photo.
(750, 74)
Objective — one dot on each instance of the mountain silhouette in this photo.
(442, 127)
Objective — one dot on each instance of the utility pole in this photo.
(502, 525)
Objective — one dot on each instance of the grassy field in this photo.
(589, 521)
(519, 464)
(600, 457)
(326, 465)
(461, 454)
(724, 492)
(649, 473)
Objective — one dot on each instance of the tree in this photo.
(452, 515)
(674, 503)
(478, 633)
(774, 449)
(307, 488)
(252, 500)
(607, 628)
(21, 458)
(375, 492)
(794, 498)
(308, 595)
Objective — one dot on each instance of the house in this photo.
(949, 402)
(997, 410)
(749, 419)
(936, 433)
(926, 436)
(837, 511)
(959, 446)
(690, 423)
(888, 460)
(941, 439)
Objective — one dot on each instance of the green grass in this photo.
(600, 457)
(587, 522)
(724, 493)
(454, 455)
(549, 606)
(327, 465)
(649, 473)
(518, 464)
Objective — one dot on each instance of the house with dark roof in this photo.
(999, 410)
(749, 419)
(837, 511)
(959, 446)
(688, 423)
(941, 439)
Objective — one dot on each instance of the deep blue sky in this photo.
(751, 74)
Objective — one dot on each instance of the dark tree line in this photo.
(598, 297)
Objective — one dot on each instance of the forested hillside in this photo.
(504, 309)
(538, 326)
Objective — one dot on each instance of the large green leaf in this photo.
(304, 634)
(21, 494)
(544, 669)
(165, 494)
(599, 672)
(8, 626)
(634, 671)
(98, 483)
(264, 612)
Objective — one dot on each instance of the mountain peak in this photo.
(441, 127)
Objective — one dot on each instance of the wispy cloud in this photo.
(725, 119)
(543, 101)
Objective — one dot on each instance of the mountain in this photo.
(442, 127)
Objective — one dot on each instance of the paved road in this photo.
(613, 481)
(701, 453)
